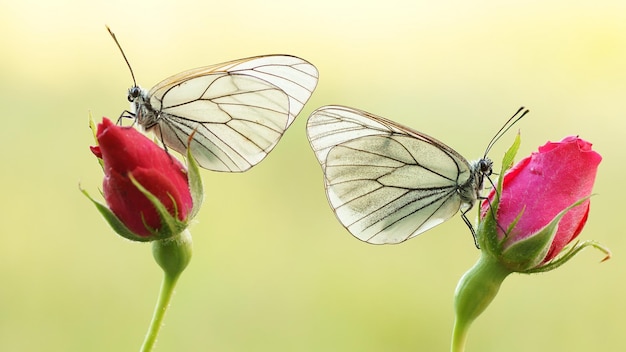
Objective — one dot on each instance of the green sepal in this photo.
(195, 183)
(509, 159)
(170, 225)
(528, 253)
(515, 221)
(565, 257)
(487, 230)
(114, 222)
(94, 130)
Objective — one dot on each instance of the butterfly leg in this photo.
(128, 115)
(469, 225)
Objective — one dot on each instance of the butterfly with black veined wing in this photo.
(237, 111)
(388, 183)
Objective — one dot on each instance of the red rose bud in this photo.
(538, 190)
(127, 154)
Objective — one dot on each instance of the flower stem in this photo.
(173, 256)
(475, 291)
(459, 335)
(165, 295)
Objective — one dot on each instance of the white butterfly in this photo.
(386, 182)
(238, 109)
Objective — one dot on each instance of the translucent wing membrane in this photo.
(293, 75)
(239, 109)
(329, 126)
(237, 119)
(385, 182)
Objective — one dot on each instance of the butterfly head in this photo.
(140, 107)
(482, 168)
(485, 167)
(133, 93)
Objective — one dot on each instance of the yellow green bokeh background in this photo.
(272, 269)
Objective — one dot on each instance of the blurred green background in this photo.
(272, 269)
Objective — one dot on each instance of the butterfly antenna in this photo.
(123, 55)
(521, 112)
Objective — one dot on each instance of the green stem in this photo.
(475, 291)
(165, 296)
(173, 256)
(459, 335)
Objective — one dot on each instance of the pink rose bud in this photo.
(126, 152)
(541, 186)
(543, 206)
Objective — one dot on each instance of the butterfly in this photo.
(388, 183)
(237, 111)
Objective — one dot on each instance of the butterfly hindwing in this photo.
(385, 182)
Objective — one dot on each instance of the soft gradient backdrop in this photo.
(272, 269)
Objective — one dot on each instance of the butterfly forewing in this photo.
(293, 75)
(333, 125)
(237, 119)
(238, 110)
(385, 182)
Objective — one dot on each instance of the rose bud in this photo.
(146, 189)
(537, 208)
(553, 183)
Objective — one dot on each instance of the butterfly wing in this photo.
(238, 110)
(385, 182)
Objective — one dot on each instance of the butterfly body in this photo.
(141, 108)
(470, 191)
